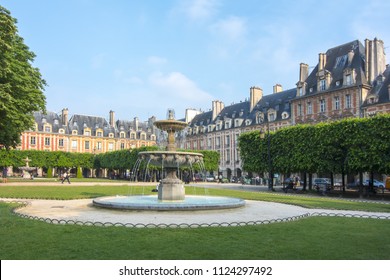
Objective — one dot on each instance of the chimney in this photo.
(351, 54)
(65, 114)
(321, 61)
(375, 59)
(136, 122)
(303, 72)
(277, 88)
(112, 118)
(256, 94)
(217, 108)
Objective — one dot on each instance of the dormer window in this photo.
(322, 85)
(285, 115)
(349, 77)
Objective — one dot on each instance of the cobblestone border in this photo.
(185, 225)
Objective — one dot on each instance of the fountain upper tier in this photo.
(170, 125)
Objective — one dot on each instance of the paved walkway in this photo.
(82, 210)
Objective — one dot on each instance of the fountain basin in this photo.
(150, 202)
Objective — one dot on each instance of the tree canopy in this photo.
(21, 84)
(349, 145)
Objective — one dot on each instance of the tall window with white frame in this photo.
(348, 101)
(299, 110)
(337, 103)
(309, 108)
(322, 106)
(322, 84)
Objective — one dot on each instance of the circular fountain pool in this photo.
(150, 202)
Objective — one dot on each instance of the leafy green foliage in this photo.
(349, 145)
(21, 85)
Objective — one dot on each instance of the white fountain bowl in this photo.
(150, 202)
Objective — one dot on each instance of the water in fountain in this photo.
(171, 191)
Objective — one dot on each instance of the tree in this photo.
(21, 85)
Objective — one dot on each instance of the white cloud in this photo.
(98, 60)
(177, 87)
(232, 28)
(197, 10)
(200, 9)
(156, 60)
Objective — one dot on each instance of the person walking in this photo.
(65, 176)
(5, 175)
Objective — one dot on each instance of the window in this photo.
(61, 142)
(122, 135)
(299, 110)
(322, 84)
(122, 146)
(209, 143)
(132, 136)
(86, 145)
(110, 146)
(322, 105)
(218, 142)
(47, 141)
(195, 145)
(348, 79)
(227, 140)
(33, 140)
(309, 108)
(47, 128)
(340, 61)
(348, 101)
(74, 144)
(300, 91)
(271, 117)
(99, 145)
(87, 133)
(337, 103)
(99, 134)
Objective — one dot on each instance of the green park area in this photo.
(312, 238)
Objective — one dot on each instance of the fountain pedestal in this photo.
(171, 188)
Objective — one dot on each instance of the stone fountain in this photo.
(171, 191)
(27, 169)
(171, 188)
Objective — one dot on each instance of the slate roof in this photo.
(336, 63)
(280, 102)
(51, 118)
(80, 122)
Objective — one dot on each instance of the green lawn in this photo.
(309, 238)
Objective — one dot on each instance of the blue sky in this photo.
(139, 58)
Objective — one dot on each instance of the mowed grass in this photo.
(307, 239)
(73, 191)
